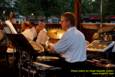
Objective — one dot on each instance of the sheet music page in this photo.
(11, 27)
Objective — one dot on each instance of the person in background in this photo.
(33, 29)
(10, 27)
(72, 45)
(26, 30)
(42, 36)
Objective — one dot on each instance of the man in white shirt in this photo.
(26, 31)
(42, 37)
(72, 45)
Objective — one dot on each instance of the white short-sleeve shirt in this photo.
(28, 34)
(42, 37)
(34, 32)
(72, 46)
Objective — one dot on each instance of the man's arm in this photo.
(62, 45)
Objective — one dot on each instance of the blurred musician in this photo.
(11, 20)
(33, 29)
(42, 37)
(72, 46)
(26, 30)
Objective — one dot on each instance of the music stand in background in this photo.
(22, 45)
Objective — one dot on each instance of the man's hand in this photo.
(51, 47)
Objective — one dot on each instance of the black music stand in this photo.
(21, 44)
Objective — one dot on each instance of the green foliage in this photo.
(43, 7)
(89, 7)
(109, 7)
(4, 3)
(4, 9)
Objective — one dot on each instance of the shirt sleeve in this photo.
(63, 44)
(27, 34)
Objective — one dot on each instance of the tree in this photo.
(109, 7)
(3, 3)
(43, 7)
(26, 7)
(5, 9)
(89, 7)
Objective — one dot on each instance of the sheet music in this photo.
(11, 27)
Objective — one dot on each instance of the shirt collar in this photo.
(44, 30)
(71, 28)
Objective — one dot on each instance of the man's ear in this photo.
(69, 24)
